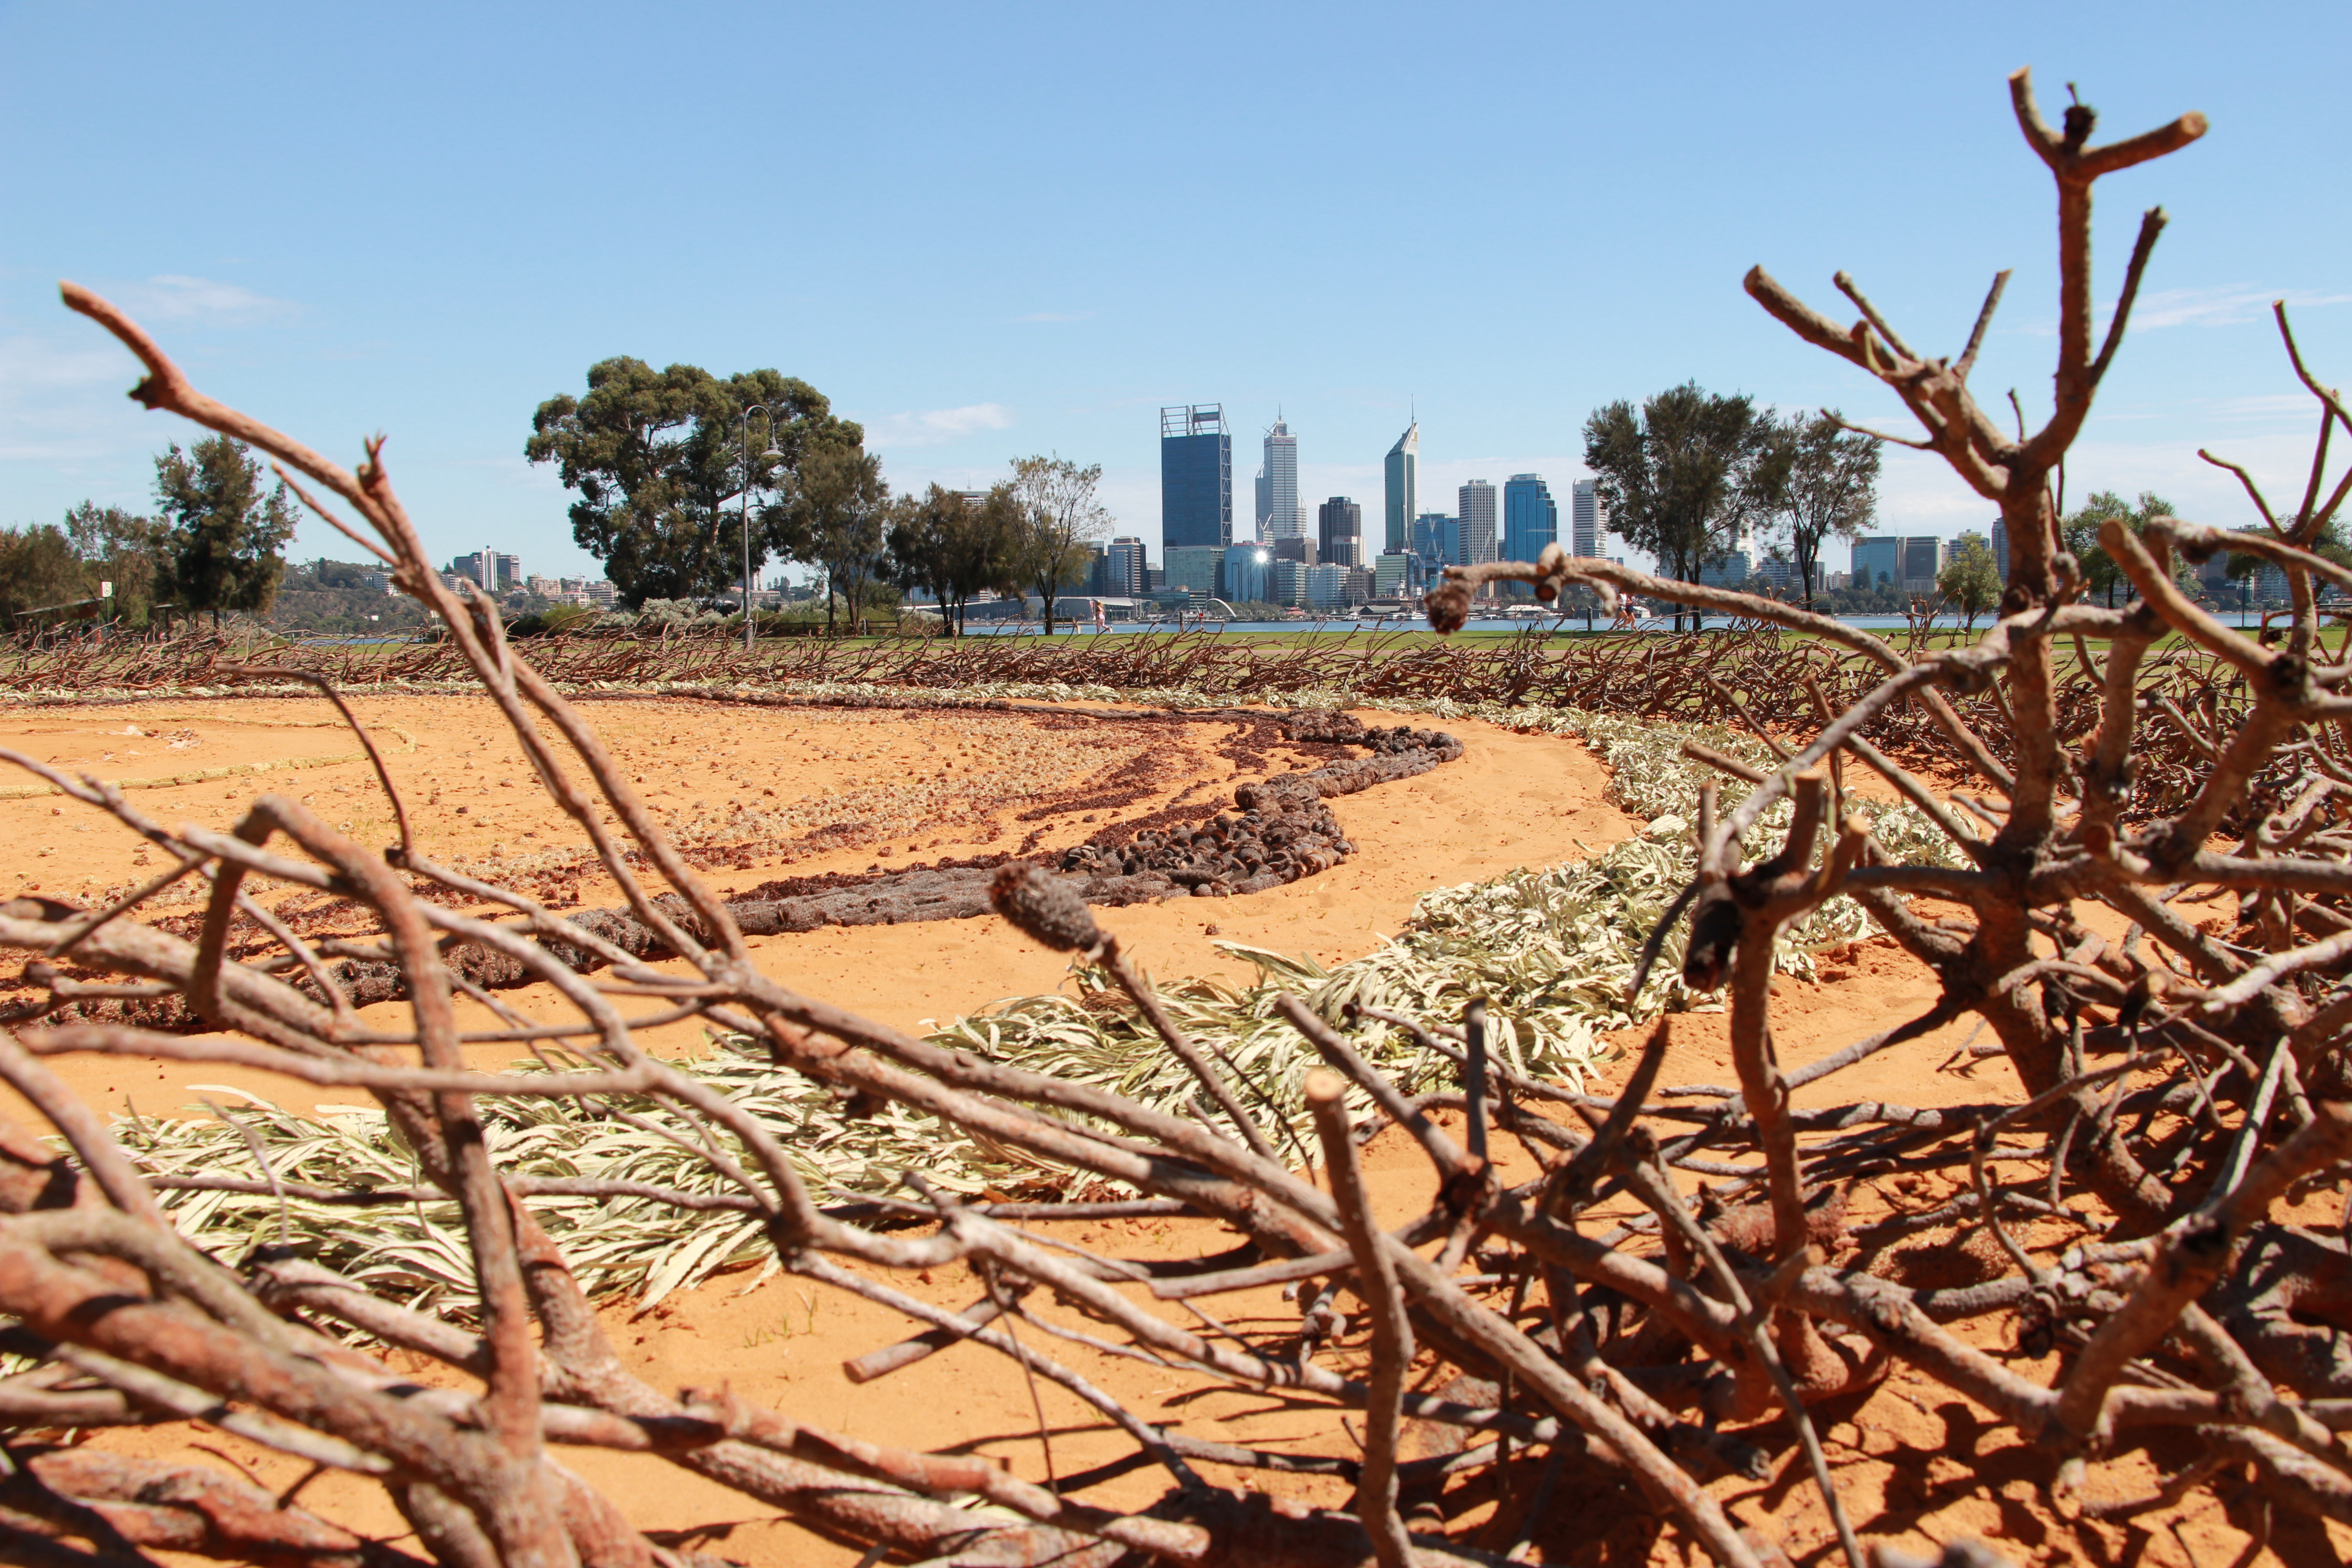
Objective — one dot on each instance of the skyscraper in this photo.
(1401, 482)
(1248, 573)
(1477, 509)
(1340, 531)
(1588, 520)
(2001, 547)
(1429, 539)
(1126, 569)
(1196, 476)
(1923, 555)
(1531, 517)
(1194, 567)
(1278, 495)
(1878, 562)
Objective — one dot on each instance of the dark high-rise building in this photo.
(1340, 531)
(1196, 476)
(1923, 556)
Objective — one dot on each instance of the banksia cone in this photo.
(1448, 604)
(1044, 906)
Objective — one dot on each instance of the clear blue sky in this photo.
(989, 230)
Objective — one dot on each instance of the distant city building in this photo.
(2001, 547)
(1289, 580)
(1878, 562)
(1194, 567)
(1278, 511)
(1247, 573)
(1779, 571)
(1922, 557)
(1393, 575)
(1401, 489)
(1732, 572)
(1588, 520)
(1126, 570)
(1196, 476)
(1298, 547)
(1326, 587)
(1475, 507)
(603, 594)
(489, 571)
(1360, 583)
(1428, 531)
(1339, 533)
(1530, 522)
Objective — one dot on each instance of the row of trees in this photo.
(671, 467)
(1033, 533)
(214, 545)
(1690, 473)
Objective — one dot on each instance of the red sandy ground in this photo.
(1916, 1463)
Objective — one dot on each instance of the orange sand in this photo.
(1915, 1462)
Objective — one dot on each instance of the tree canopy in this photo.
(38, 568)
(1685, 475)
(1971, 580)
(1060, 518)
(839, 516)
(227, 533)
(656, 460)
(1830, 489)
(2080, 531)
(956, 547)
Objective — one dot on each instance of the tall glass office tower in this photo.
(1588, 521)
(1477, 510)
(1531, 517)
(1402, 477)
(1277, 486)
(1196, 476)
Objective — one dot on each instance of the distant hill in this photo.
(340, 596)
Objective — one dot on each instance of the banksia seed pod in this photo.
(1044, 908)
(1448, 604)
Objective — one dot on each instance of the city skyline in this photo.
(460, 294)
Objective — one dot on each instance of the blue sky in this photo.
(992, 230)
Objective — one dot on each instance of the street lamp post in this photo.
(745, 421)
